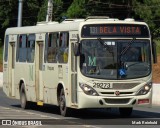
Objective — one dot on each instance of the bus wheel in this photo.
(64, 111)
(23, 99)
(125, 112)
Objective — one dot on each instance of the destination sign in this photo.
(115, 30)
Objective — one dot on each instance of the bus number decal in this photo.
(102, 85)
(92, 61)
(74, 36)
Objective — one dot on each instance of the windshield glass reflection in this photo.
(104, 59)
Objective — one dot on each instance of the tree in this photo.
(57, 10)
(8, 10)
(35, 10)
(77, 9)
(30, 11)
(149, 11)
(120, 9)
(9, 13)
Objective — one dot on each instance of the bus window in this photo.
(6, 48)
(51, 47)
(31, 48)
(22, 48)
(63, 47)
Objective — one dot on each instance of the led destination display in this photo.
(114, 30)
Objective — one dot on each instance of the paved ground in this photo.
(48, 115)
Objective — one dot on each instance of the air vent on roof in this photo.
(96, 17)
(45, 23)
(129, 19)
(72, 20)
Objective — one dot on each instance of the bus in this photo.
(97, 62)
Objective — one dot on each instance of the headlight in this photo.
(145, 89)
(88, 90)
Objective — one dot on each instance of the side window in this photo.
(22, 48)
(31, 48)
(51, 47)
(63, 47)
(6, 48)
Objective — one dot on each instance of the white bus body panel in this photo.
(41, 80)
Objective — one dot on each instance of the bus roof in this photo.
(43, 28)
(68, 25)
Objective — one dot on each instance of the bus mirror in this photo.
(77, 49)
(154, 52)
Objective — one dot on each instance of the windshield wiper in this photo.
(128, 46)
(110, 49)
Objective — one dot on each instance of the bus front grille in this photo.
(113, 93)
(117, 101)
(124, 85)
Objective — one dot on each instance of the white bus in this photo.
(87, 63)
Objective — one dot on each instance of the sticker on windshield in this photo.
(122, 72)
(92, 61)
(109, 43)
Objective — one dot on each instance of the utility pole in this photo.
(20, 6)
(49, 11)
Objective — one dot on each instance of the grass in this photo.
(158, 46)
(1, 53)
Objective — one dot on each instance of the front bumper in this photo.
(86, 101)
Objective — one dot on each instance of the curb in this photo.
(156, 94)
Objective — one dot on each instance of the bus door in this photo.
(11, 61)
(73, 38)
(39, 69)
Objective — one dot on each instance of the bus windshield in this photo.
(106, 61)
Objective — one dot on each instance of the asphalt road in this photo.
(48, 116)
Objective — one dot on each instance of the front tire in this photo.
(64, 110)
(125, 112)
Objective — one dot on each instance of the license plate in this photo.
(102, 85)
